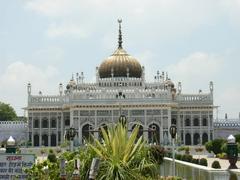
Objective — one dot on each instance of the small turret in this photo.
(60, 89)
(211, 87)
(29, 88)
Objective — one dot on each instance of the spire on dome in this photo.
(120, 35)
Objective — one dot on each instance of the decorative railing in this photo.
(195, 98)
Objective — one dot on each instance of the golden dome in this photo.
(120, 64)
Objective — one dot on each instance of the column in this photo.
(145, 127)
(62, 127)
(57, 130)
(40, 125)
(169, 123)
(95, 125)
(191, 120)
(184, 127)
(71, 118)
(49, 132)
(32, 128)
(79, 128)
(200, 123)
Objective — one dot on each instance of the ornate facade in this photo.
(121, 88)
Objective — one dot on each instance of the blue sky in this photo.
(45, 41)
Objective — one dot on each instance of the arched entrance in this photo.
(36, 140)
(45, 140)
(196, 139)
(154, 134)
(53, 140)
(204, 138)
(86, 134)
(188, 139)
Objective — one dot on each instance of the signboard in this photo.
(13, 165)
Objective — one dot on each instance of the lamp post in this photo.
(70, 134)
(94, 168)
(173, 132)
(232, 152)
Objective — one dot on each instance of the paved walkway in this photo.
(223, 162)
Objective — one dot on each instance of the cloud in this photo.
(162, 15)
(196, 70)
(229, 99)
(66, 30)
(15, 78)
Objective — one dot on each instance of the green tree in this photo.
(217, 145)
(7, 113)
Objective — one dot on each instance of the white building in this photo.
(121, 88)
(17, 129)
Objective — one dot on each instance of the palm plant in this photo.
(123, 156)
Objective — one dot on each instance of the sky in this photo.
(44, 41)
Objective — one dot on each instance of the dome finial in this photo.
(120, 34)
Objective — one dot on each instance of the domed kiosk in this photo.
(120, 63)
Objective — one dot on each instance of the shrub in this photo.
(51, 156)
(216, 165)
(182, 148)
(208, 146)
(178, 156)
(187, 158)
(203, 162)
(157, 153)
(217, 144)
(187, 150)
(221, 155)
(195, 161)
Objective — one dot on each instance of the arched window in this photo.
(36, 123)
(196, 139)
(187, 122)
(67, 122)
(86, 132)
(204, 138)
(53, 123)
(196, 122)
(188, 139)
(45, 140)
(53, 140)
(204, 122)
(174, 121)
(154, 134)
(36, 140)
(44, 123)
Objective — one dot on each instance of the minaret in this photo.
(29, 88)
(120, 34)
(60, 89)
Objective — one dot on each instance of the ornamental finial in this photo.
(120, 35)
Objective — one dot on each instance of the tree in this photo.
(7, 113)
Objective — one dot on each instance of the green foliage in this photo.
(7, 113)
(217, 144)
(237, 136)
(51, 156)
(203, 162)
(178, 156)
(221, 155)
(123, 156)
(187, 158)
(157, 153)
(208, 146)
(216, 165)
(195, 161)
